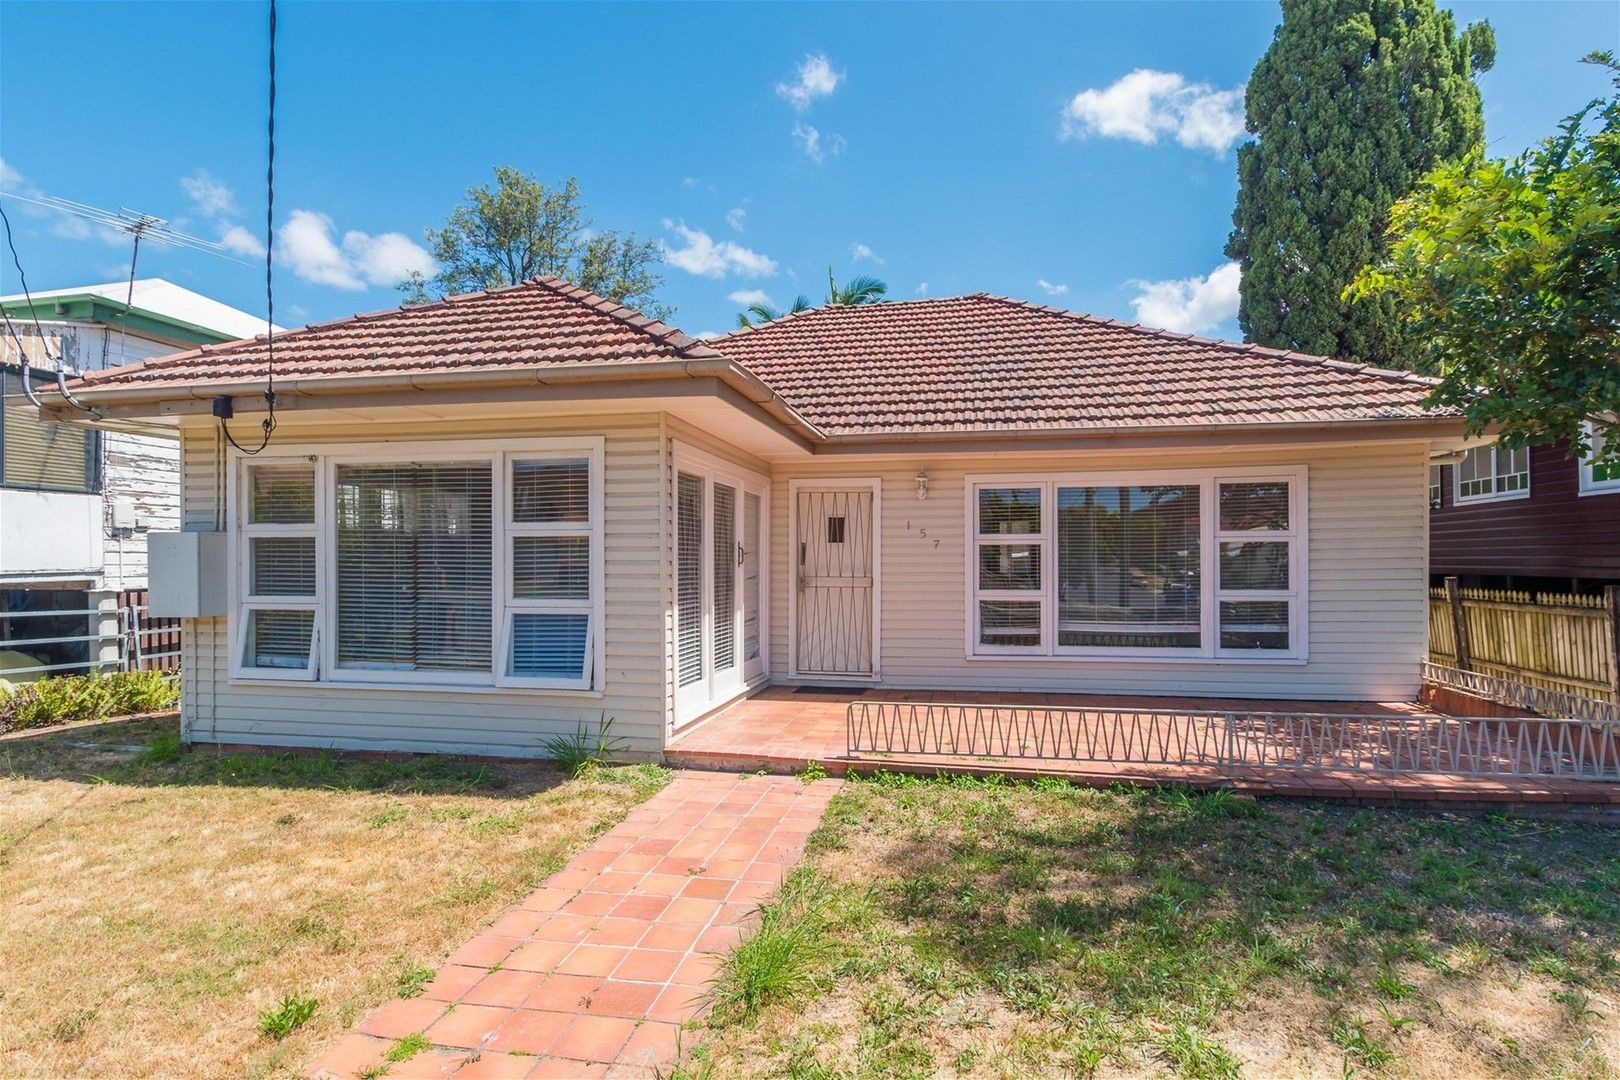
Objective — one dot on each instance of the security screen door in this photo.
(834, 563)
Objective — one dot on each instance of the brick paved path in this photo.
(599, 969)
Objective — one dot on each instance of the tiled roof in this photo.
(540, 322)
(985, 363)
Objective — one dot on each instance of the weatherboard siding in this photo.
(458, 720)
(1367, 523)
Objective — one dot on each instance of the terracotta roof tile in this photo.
(536, 323)
(982, 362)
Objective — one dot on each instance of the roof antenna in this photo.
(222, 404)
(22, 352)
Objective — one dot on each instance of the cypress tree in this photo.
(1352, 103)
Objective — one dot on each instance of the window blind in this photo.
(725, 576)
(689, 579)
(550, 645)
(1128, 566)
(281, 495)
(551, 567)
(282, 565)
(551, 491)
(40, 455)
(278, 639)
(414, 566)
(750, 598)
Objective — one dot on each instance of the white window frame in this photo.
(1297, 536)
(1494, 495)
(242, 576)
(499, 454)
(1589, 485)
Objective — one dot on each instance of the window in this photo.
(1193, 565)
(1598, 479)
(1434, 487)
(38, 455)
(481, 568)
(1493, 472)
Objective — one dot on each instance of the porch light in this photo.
(922, 484)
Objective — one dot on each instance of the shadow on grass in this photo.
(104, 753)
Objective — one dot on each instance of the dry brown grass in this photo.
(150, 916)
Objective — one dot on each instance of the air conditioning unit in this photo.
(187, 574)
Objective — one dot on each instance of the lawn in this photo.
(974, 928)
(198, 914)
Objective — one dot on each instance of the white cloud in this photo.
(922, 288)
(706, 257)
(1146, 104)
(809, 140)
(708, 335)
(1050, 289)
(242, 242)
(816, 79)
(736, 217)
(211, 196)
(857, 252)
(745, 297)
(1192, 305)
(10, 178)
(307, 246)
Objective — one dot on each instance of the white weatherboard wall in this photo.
(1368, 567)
(457, 720)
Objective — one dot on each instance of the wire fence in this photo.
(1391, 743)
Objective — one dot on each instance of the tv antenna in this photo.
(139, 225)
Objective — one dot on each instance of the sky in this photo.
(1081, 155)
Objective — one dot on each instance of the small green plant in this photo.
(293, 1013)
(71, 699)
(1358, 1046)
(386, 817)
(784, 957)
(162, 748)
(412, 981)
(580, 753)
(812, 772)
(407, 1047)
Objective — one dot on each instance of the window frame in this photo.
(1495, 494)
(244, 600)
(1297, 536)
(500, 454)
(1590, 485)
(93, 443)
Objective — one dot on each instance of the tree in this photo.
(1507, 273)
(857, 290)
(520, 229)
(1353, 101)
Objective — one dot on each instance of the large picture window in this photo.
(1190, 565)
(478, 568)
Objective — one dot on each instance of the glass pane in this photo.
(1475, 473)
(39, 454)
(1128, 567)
(1009, 510)
(278, 639)
(414, 567)
(725, 577)
(1512, 469)
(551, 491)
(1254, 624)
(551, 568)
(1247, 507)
(1254, 565)
(283, 565)
(750, 570)
(689, 579)
(1010, 622)
(1009, 567)
(549, 645)
(281, 495)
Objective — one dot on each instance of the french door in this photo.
(720, 538)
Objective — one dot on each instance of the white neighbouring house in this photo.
(76, 504)
(484, 521)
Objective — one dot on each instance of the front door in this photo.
(835, 563)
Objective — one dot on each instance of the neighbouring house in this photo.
(1538, 519)
(76, 504)
(488, 520)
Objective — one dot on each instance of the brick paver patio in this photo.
(597, 972)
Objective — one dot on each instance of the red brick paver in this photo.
(598, 971)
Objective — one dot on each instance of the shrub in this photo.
(67, 699)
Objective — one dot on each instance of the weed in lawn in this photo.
(387, 817)
(287, 1017)
(812, 772)
(71, 1028)
(1197, 1056)
(783, 958)
(408, 1047)
(1361, 1050)
(1392, 986)
(581, 752)
(162, 748)
(412, 981)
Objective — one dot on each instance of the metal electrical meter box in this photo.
(187, 574)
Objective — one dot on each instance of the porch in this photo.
(1375, 752)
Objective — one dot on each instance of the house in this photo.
(76, 504)
(1537, 519)
(485, 521)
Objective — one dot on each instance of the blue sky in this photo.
(944, 148)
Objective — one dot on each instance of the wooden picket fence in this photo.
(1562, 642)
